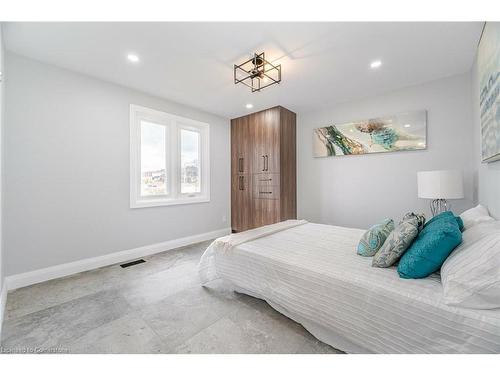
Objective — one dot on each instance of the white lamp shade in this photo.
(440, 184)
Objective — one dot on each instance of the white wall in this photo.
(359, 191)
(488, 174)
(67, 170)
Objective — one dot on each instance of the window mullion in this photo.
(174, 162)
(138, 156)
(201, 159)
(167, 160)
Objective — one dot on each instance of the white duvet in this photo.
(311, 273)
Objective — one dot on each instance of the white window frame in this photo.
(173, 125)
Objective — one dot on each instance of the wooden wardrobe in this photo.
(263, 168)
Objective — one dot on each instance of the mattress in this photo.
(312, 274)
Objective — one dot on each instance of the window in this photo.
(153, 159)
(169, 159)
(190, 161)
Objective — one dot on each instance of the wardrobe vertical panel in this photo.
(241, 146)
(265, 134)
(241, 161)
(271, 139)
(288, 157)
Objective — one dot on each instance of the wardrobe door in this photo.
(265, 131)
(241, 146)
(271, 136)
(288, 158)
(266, 210)
(241, 203)
(241, 195)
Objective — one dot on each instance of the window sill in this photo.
(167, 202)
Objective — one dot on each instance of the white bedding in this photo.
(312, 274)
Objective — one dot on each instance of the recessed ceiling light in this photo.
(406, 125)
(249, 106)
(133, 58)
(375, 64)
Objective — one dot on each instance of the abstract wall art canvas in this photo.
(402, 132)
(488, 66)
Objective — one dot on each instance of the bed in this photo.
(312, 274)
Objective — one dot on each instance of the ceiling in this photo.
(192, 63)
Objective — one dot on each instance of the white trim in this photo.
(66, 269)
(173, 126)
(3, 303)
(168, 202)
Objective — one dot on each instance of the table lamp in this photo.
(440, 186)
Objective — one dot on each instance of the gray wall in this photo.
(2, 110)
(488, 174)
(67, 170)
(359, 191)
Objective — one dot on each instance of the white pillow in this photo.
(471, 274)
(476, 215)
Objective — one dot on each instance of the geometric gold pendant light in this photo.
(257, 73)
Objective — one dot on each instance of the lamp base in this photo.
(438, 206)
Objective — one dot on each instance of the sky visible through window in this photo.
(153, 159)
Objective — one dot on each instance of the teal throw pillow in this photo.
(374, 238)
(431, 248)
(447, 215)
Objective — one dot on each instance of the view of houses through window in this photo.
(190, 162)
(153, 159)
(169, 159)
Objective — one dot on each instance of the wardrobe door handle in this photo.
(240, 182)
(240, 164)
(267, 162)
(264, 163)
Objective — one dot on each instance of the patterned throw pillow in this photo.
(397, 242)
(374, 238)
(420, 218)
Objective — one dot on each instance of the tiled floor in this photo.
(153, 307)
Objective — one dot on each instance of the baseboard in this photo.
(66, 269)
(3, 303)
